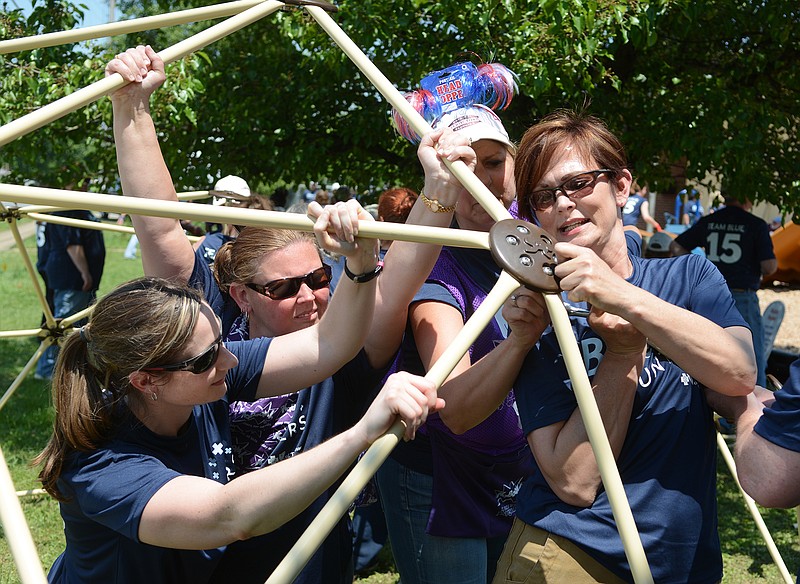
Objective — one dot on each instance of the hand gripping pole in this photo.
(526, 251)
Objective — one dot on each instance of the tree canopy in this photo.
(695, 89)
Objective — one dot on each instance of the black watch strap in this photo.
(366, 276)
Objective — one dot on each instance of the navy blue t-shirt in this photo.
(61, 271)
(632, 210)
(108, 488)
(735, 241)
(314, 415)
(210, 245)
(668, 460)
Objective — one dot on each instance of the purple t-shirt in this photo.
(476, 475)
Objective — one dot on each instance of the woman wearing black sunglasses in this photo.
(272, 283)
(140, 456)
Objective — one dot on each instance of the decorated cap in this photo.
(476, 122)
(230, 187)
(459, 95)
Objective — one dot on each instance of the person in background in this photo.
(692, 209)
(638, 206)
(76, 257)
(739, 245)
(231, 191)
(140, 456)
(659, 331)
(42, 251)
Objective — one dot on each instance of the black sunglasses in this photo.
(287, 287)
(199, 364)
(574, 187)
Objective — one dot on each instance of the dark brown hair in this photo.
(587, 134)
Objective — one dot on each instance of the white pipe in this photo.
(593, 422)
(110, 29)
(16, 530)
(95, 91)
(235, 216)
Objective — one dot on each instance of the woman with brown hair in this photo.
(660, 332)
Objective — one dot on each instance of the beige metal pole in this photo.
(751, 506)
(95, 91)
(25, 370)
(28, 209)
(201, 212)
(612, 482)
(126, 26)
(337, 505)
(96, 225)
(471, 182)
(31, 492)
(16, 530)
(20, 333)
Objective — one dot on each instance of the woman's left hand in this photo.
(336, 230)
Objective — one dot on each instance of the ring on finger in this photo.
(514, 301)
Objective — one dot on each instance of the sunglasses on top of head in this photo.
(575, 187)
(283, 288)
(198, 364)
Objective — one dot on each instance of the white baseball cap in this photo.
(230, 187)
(476, 122)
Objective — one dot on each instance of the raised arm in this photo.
(474, 391)
(648, 218)
(197, 513)
(407, 265)
(307, 356)
(166, 252)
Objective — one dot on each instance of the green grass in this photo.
(25, 424)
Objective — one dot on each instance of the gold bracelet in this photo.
(435, 206)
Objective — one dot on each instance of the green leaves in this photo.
(710, 84)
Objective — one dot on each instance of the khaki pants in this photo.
(533, 556)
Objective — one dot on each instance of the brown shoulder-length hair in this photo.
(587, 134)
(142, 323)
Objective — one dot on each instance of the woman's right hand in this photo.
(336, 230)
(409, 396)
(142, 67)
(434, 148)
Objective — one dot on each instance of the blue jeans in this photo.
(369, 535)
(65, 303)
(426, 559)
(747, 303)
